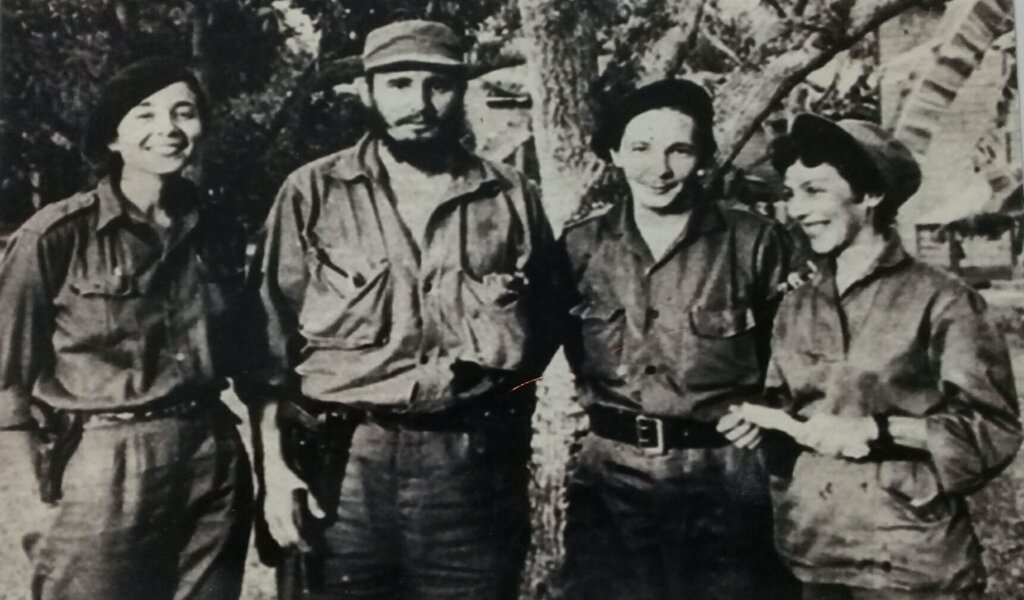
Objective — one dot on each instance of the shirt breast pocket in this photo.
(724, 351)
(98, 311)
(347, 300)
(497, 313)
(602, 332)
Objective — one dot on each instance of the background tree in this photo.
(278, 104)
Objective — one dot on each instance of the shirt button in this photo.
(427, 287)
(653, 313)
(180, 357)
(424, 359)
(650, 369)
(622, 370)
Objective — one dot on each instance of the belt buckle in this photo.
(650, 434)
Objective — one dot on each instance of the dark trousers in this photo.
(688, 524)
(427, 515)
(156, 509)
(817, 591)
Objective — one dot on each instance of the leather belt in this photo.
(653, 434)
(458, 418)
(163, 410)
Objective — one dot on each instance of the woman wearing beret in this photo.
(118, 311)
(674, 297)
(896, 391)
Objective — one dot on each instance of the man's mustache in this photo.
(418, 119)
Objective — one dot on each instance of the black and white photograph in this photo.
(511, 300)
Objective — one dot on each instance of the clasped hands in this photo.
(828, 435)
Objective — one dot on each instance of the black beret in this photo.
(124, 90)
(680, 94)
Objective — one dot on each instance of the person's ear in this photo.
(614, 156)
(873, 200)
(363, 88)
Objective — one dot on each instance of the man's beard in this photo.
(431, 154)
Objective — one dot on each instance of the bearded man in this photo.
(401, 293)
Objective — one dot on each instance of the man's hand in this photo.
(740, 432)
(282, 488)
(840, 437)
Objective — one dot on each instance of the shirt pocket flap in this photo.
(721, 323)
(347, 272)
(111, 285)
(347, 303)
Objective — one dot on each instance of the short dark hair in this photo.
(848, 160)
(681, 95)
(124, 90)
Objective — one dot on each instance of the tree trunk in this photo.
(199, 18)
(561, 51)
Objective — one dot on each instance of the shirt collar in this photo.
(892, 256)
(113, 210)
(472, 176)
(111, 206)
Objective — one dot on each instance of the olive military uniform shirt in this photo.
(682, 336)
(353, 311)
(103, 312)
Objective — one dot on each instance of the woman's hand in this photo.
(829, 435)
(839, 437)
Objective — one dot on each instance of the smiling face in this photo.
(825, 206)
(416, 105)
(159, 134)
(657, 154)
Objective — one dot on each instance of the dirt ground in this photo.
(998, 512)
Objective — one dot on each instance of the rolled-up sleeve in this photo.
(25, 342)
(976, 431)
(277, 290)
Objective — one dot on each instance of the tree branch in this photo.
(665, 57)
(786, 71)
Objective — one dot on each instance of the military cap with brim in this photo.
(681, 94)
(894, 162)
(412, 43)
(128, 87)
